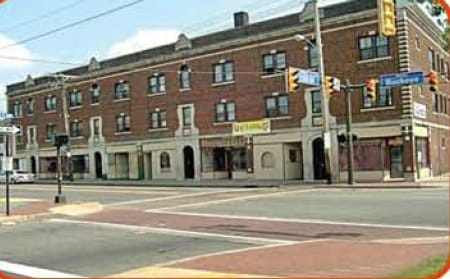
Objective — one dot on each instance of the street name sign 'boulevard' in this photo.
(10, 130)
(402, 79)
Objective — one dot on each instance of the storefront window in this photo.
(164, 162)
(239, 159)
(422, 153)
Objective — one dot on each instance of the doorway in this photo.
(33, 165)
(98, 165)
(396, 158)
(319, 159)
(189, 170)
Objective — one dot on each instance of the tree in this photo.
(436, 10)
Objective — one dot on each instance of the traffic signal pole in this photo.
(325, 108)
(348, 127)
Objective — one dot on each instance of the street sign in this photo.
(308, 77)
(11, 130)
(6, 116)
(402, 79)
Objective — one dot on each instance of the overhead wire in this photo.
(70, 25)
(40, 17)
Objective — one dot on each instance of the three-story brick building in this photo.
(216, 107)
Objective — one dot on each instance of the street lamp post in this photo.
(325, 108)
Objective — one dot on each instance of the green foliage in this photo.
(438, 12)
(425, 269)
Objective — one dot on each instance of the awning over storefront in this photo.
(223, 142)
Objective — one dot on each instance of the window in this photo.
(225, 112)
(158, 119)
(95, 93)
(277, 106)
(292, 155)
(96, 127)
(435, 103)
(50, 103)
(316, 101)
(223, 72)
(121, 90)
(31, 135)
(185, 77)
(267, 160)
(384, 98)
(417, 42)
(274, 63)
(431, 59)
(187, 119)
(75, 129)
(17, 109)
(75, 99)
(443, 143)
(19, 134)
(422, 153)
(373, 47)
(122, 123)
(164, 162)
(51, 130)
(157, 84)
(447, 74)
(239, 159)
(80, 163)
(313, 57)
(30, 106)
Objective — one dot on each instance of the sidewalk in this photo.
(442, 181)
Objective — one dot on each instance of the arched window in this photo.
(267, 160)
(185, 77)
(164, 162)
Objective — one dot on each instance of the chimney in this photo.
(241, 19)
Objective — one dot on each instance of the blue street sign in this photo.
(6, 116)
(402, 79)
(307, 77)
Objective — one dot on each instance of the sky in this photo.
(147, 24)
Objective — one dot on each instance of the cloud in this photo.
(13, 51)
(2, 98)
(144, 39)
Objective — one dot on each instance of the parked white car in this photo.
(17, 176)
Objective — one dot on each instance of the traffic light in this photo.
(332, 85)
(386, 17)
(371, 89)
(292, 79)
(60, 140)
(433, 80)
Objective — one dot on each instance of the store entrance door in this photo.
(396, 159)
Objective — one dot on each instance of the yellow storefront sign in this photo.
(251, 127)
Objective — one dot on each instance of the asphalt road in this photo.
(412, 207)
(141, 227)
(89, 250)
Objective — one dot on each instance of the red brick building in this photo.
(216, 107)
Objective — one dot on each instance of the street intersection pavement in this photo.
(221, 233)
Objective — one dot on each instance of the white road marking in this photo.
(235, 238)
(177, 197)
(414, 240)
(110, 191)
(34, 272)
(250, 197)
(238, 251)
(293, 220)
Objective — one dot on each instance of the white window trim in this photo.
(373, 60)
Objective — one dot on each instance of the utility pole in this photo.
(61, 80)
(348, 111)
(325, 108)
